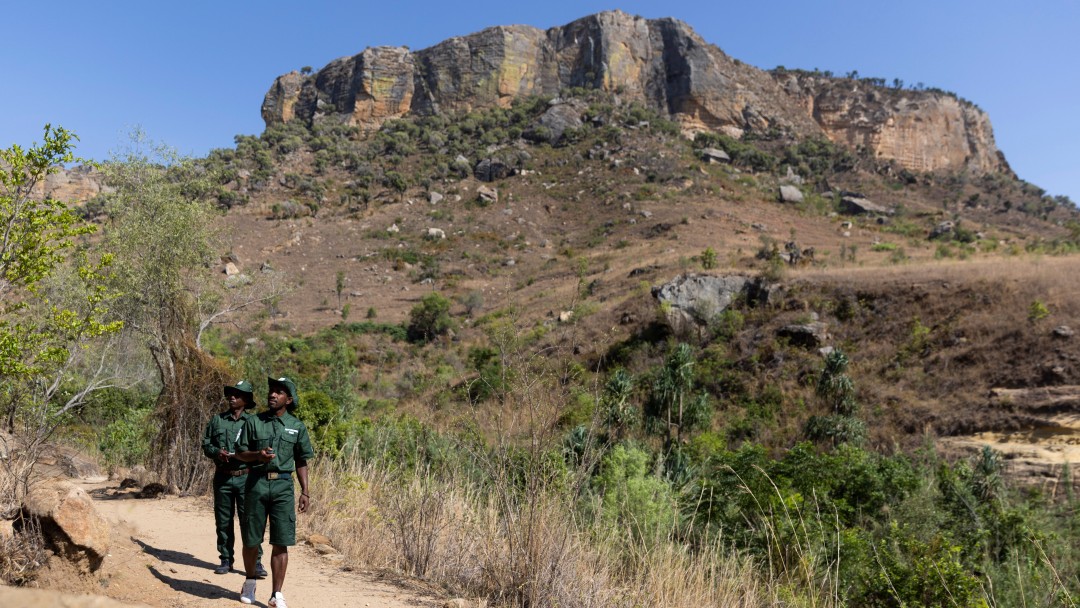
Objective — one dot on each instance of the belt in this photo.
(278, 474)
(233, 472)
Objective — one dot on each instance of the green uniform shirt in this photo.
(286, 434)
(224, 432)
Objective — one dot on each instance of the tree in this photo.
(672, 398)
(836, 391)
(53, 304)
(619, 411)
(429, 319)
(161, 226)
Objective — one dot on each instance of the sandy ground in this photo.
(163, 554)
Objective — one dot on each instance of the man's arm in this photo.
(303, 453)
(243, 453)
(301, 474)
(209, 448)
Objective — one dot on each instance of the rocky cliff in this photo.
(661, 62)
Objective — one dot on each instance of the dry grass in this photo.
(454, 537)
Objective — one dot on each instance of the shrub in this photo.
(708, 258)
(429, 319)
(1037, 311)
(126, 441)
(632, 497)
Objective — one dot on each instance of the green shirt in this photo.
(224, 432)
(286, 434)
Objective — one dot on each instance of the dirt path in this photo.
(163, 554)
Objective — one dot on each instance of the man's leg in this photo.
(253, 522)
(241, 512)
(223, 513)
(279, 563)
(250, 557)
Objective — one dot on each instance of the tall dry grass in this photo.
(540, 552)
(502, 519)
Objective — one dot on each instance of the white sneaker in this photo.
(277, 600)
(247, 593)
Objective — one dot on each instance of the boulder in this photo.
(560, 117)
(1063, 331)
(790, 194)
(856, 205)
(714, 155)
(69, 521)
(943, 229)
(491, 169)
(487, 195)
(435, 198)
(791, 177)
(806, 335)
(435, 234)
(691, 302)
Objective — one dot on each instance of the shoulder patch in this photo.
(293, 431)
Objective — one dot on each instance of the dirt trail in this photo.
(163, 554)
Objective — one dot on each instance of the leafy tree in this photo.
(162, 230)
(429, 319)
(53, 304)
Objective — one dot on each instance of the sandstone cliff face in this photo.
(921, 130)
(660, 62)
(80, 183)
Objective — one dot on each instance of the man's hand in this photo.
(266, 455)
(302, 503)
(223, 456)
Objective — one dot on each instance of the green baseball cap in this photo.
(244, 387)
(289, 386)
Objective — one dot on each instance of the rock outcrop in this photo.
(920, 130)
(70, 522)
(691, 302)
(659, 62)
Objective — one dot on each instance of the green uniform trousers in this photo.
(229, 493)
(273, 500)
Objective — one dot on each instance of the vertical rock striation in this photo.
(659, 62)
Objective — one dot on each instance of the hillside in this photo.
(611, 305)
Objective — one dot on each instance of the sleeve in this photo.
(304, 451)
(208, 446)
(242, 438)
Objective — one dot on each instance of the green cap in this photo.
(244, 387)
(289, 386)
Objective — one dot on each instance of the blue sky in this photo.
(193, 74)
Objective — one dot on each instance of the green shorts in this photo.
(269, 499)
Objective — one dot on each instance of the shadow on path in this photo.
(197, 588)
(175, 557)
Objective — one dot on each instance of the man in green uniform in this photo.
(276, 444)
(219, 444)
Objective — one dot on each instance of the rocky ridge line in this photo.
(660, 62)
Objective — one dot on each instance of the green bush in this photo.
(632, 497)
(429, 319)
(126, 441)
